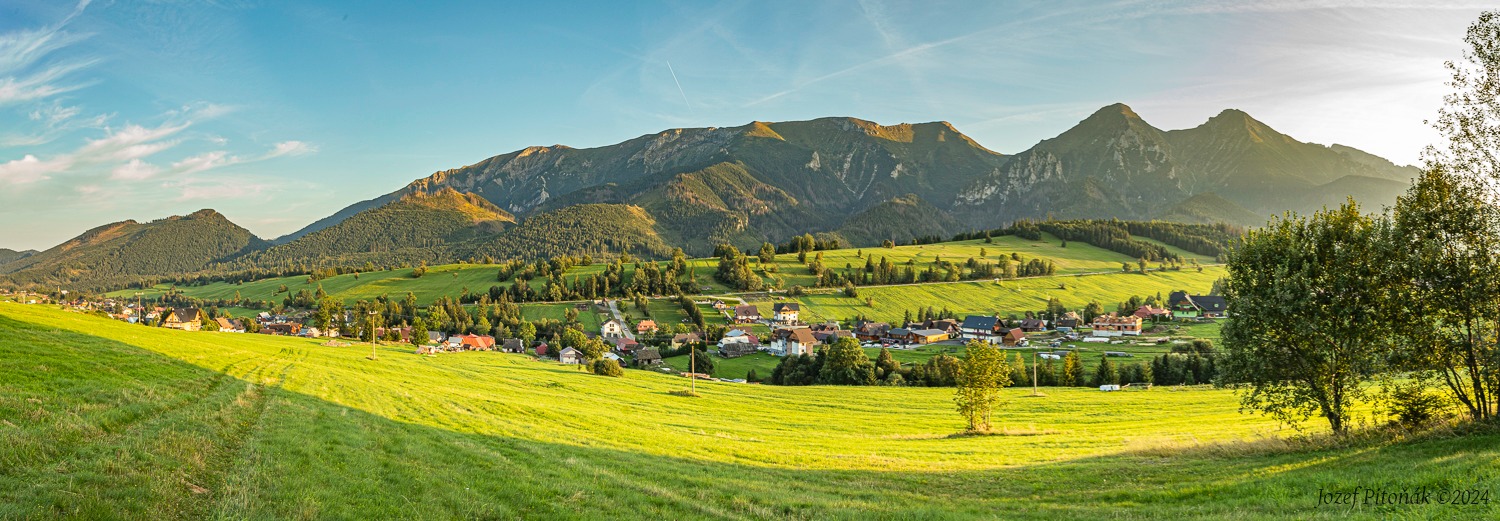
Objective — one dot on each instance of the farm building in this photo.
(1014, 337)
(648, 356)
(686, 338)
(570, 356)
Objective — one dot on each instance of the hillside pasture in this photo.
(104, 419)
(1006, 297)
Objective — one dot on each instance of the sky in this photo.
(277, 114)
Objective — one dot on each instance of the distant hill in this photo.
(8, 256)
(1208, 207)
(126, 251)
(415, 227)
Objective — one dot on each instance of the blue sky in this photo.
(280, 113)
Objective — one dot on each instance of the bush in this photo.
(1413, 404)
(607, 367)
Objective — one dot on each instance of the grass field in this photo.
(452, 279)
(100, 419)
(1011, 296)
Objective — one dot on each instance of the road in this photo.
(615, 312)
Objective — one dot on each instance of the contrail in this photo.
(679, 84)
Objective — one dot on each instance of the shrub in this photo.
(1413, 404)
(607, 367)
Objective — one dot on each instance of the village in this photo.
(645, 344)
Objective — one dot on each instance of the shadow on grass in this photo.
(257, 451)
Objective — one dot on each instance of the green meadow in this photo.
(101, 419)
(889, 303)
(452, 279)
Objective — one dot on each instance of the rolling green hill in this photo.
(106, 419)
(452, 279)
(123, 252)
(414, 228)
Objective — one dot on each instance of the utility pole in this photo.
(1033, 372)
(370, 323)
(692, 369)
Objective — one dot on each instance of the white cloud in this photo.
(30, 168)
(21, 51)
(204, 162)
(291, 148)
(135, 170)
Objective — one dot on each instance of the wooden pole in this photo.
(692, 370)
(1033, 372)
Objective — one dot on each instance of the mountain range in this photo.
(694, 188)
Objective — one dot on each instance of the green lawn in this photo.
(589, 318)
(100, 419)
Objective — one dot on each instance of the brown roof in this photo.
(800, 334)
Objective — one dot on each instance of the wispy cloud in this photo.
(291, 148)
(135, 170)
(204, 162)
(23, 78)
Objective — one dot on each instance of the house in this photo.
(747, 313)
(310, 332)
(719, 305)
(1014, 337)
(286, 329)
(739, 336)
(435, 337)
(1032, 325)
(793, 341)
(979, 327)
(926, 336)
(540, 347)
(612, 328)
(513, 345)
(186, 319)
(1213, 306)
(871, 331)
(570, 356)
(1184, 305)
(229, 325)
(829, 336)
(477, 342)
(1149, 312)
(786, 312)
(737, 349)
(626, 345)
(617, 358)
(648, 356)
(454, 343)
(947, 325)
(1115, 324)
(645, 327)
(686, 338)
(898, 334)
